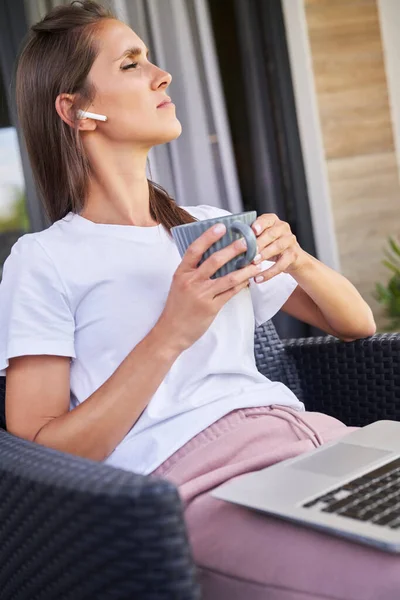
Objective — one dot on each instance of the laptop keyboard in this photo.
(374, 497)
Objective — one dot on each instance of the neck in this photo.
(118, 191)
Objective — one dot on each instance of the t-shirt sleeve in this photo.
(35, 317)
(267, 297)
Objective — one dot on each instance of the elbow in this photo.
(83, 449)
(367, 331)
(372, 330)
(370, 327)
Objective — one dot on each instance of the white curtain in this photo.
(36, 9)
(198, 167)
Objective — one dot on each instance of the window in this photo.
(13, 216)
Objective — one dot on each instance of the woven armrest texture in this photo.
(357, 382)
(75, 529)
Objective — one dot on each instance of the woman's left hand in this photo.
(277, 243)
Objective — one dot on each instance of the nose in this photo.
(162, 79)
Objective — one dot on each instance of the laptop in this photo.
(349, 487)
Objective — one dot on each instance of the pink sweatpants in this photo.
(244, 555)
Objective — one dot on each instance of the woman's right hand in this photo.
(194, 299)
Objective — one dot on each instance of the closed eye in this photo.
(131, 66)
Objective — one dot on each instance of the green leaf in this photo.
(394, 246)
(389, 295)
(393, 259)
(382, 294)
(393, 268)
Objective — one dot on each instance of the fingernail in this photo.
(220, 228)
(259, 279)
(257, 258)
(241, 244)
(257, 228)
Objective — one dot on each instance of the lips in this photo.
(164, 102)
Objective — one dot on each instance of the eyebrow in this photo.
(132, 51)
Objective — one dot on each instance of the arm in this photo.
(38, 393)
(327, 300)
(38, 328)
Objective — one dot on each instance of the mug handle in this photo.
(251, 242)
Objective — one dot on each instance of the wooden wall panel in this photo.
(357, 131)
(350, 76)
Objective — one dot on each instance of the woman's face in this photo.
(129, 89)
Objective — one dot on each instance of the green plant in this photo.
(18, 219)
(389, 296)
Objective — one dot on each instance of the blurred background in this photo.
(287, 106)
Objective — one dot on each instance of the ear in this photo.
(66, 108)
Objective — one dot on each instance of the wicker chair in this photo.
(75, 529)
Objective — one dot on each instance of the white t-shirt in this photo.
(92, 292)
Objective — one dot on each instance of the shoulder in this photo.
(47, 241)
(35, 252)
(206, 211)
(25, 250)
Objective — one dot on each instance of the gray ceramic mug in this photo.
(237, 226)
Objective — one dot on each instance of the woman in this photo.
(117, 350)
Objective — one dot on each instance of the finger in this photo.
(195, 251)
(278, 247)
(221, 257)
(271, 234)
(223, 298)
(231, 280)
(279, 267)
(264, 222)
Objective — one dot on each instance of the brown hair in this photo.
(57, 56)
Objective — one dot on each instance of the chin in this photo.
(169, 133)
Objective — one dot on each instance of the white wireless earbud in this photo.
(81, 114)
